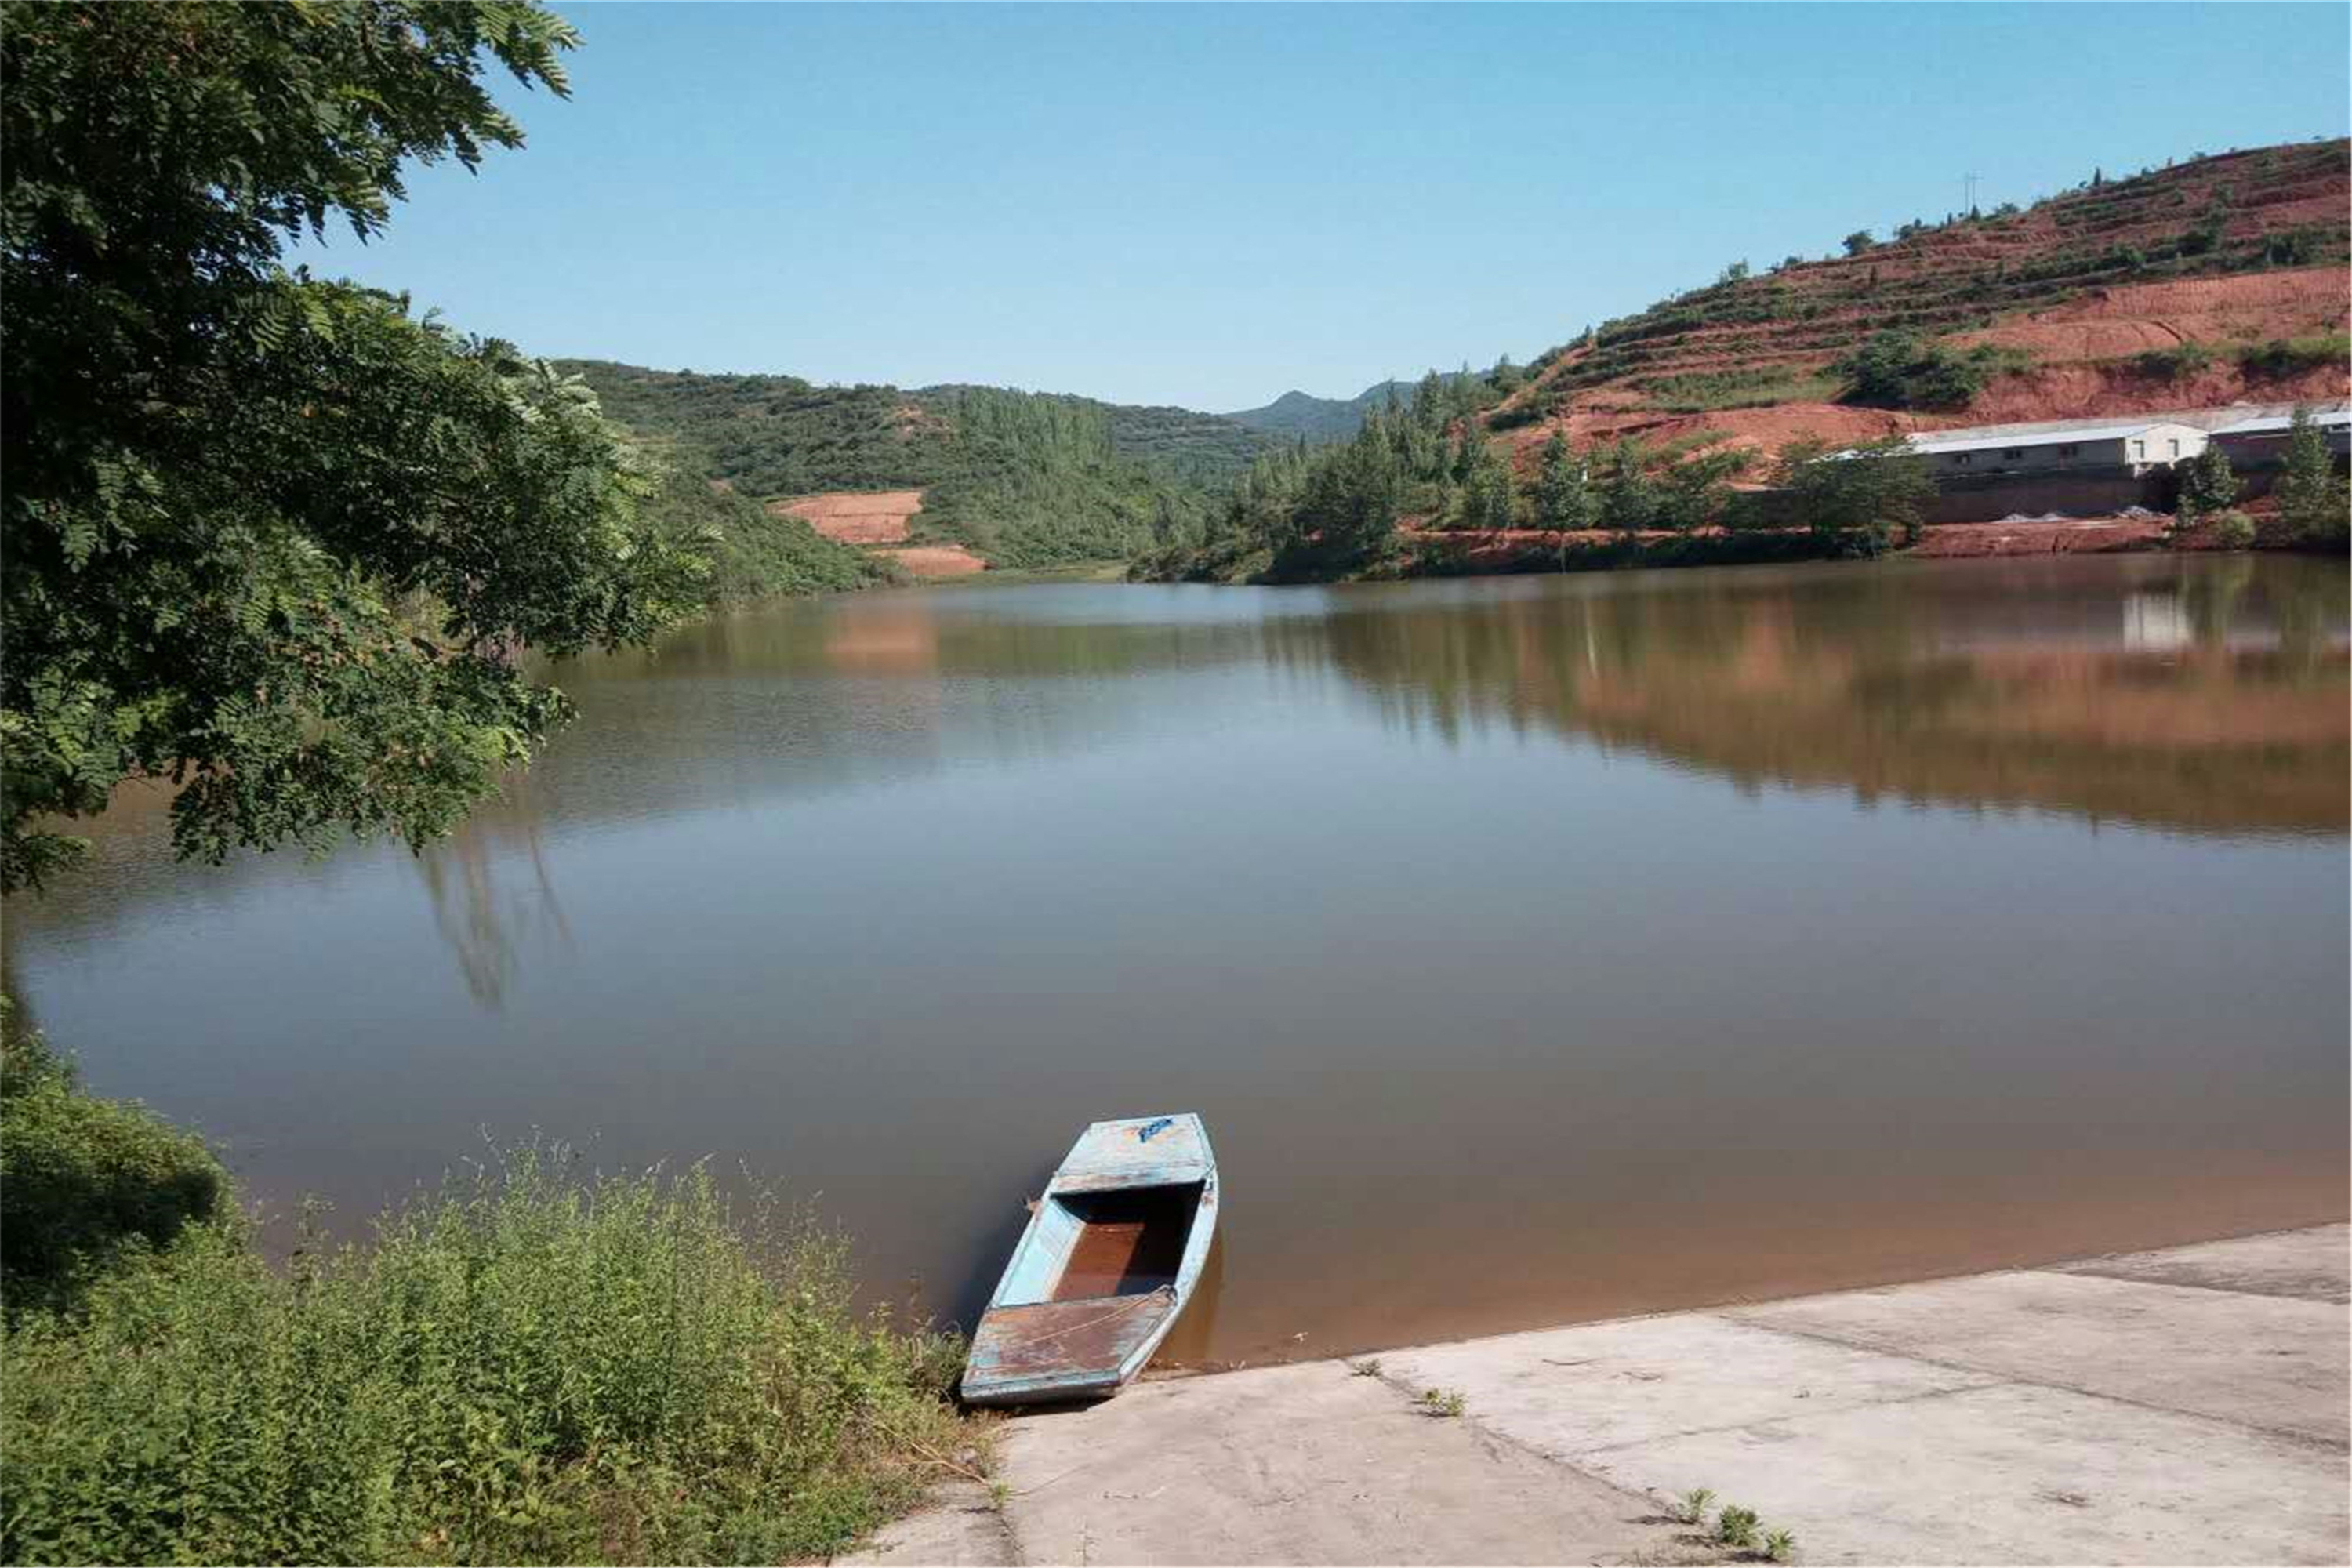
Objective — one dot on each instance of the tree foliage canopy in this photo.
(274, 538)
(1564, 499)
(1863, 494)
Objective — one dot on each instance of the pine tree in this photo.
(1472, 447)
(2313, 505)
(1629, 497)
(1564, 501)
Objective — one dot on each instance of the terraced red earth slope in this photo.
(2229, 252)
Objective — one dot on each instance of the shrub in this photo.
(1735, 1527)
(1898, 369)
(84, 1182)
(522, 1368)
(2207, 486)
(2287, 356)
(2294, 247)
(1532, 409)
(2182, 360)
(2234, 530)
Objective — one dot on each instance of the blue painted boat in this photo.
(1109, 1257)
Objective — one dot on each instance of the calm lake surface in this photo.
(1536, 949)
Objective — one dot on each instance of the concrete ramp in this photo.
(2186, 1405)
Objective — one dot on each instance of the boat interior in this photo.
(1125, 1241)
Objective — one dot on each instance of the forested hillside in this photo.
(755, 553)
(1025, 479)
(1212, 451)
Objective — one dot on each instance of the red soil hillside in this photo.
(855, 517)
(878, 520)
(2226, 255)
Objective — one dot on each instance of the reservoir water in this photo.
(1536, 949)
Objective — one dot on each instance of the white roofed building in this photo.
(2263, 438)
(2136, 445)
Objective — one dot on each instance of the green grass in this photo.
(529, 1365)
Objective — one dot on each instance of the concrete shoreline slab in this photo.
(2014, 1473)
(2192, 1404)
(2273, 1362)
(1570, 1391)
(1307, 1463)
(2310, 1264)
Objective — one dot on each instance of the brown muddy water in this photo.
(1536, 949)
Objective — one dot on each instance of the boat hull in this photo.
(1108, 1260)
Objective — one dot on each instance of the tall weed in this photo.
(523, 1367)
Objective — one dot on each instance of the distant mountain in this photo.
(1296, 415)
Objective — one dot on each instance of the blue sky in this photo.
(1208, 205)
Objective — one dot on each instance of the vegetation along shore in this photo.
(534, 1363)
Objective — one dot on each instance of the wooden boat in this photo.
(1109, 1257)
